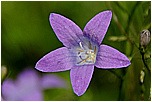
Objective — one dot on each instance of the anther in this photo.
(86, 55)
(95, 49)
(89, 45)
(85, 60)
(80, 50)
(93, 60)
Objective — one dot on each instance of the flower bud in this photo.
(142, 75)
(144, 39)
(3, 72)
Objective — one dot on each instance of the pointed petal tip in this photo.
(80, 78)
(126, 63)
(37, 66)
(109, 13)
(51, 15)
(79, 94)
(97, 27)
(129, 63)
(109, 57)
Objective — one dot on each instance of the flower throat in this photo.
(86, 54)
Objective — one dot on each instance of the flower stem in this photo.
(143, 59)
(120, 77)
(120, 87)
(121, 82)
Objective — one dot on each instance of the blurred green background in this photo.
(26, 36)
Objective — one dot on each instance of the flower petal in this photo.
(28, 75)
(52, 81)
(2, 98)
(32, 91)
(9, 90)
(81, 77)
(66, 30)
(21, 90)
(35, 95)
(108, 57)
(97, 27)
(57, 60)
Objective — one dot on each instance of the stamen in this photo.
(93, 60)
(95, 49)
(86, 54)
(89, 45)
(84, 60)
(80, 50)
(81, 45)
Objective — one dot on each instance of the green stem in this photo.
(118, 23)
(121, 81)
(120, 77)
(120, 87)
(131, 16)
(143, 59)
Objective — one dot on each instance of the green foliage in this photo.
(117, 38)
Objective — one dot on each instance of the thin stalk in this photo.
(143, 59)
(120, 77)
(121, 81)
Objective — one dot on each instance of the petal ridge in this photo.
(56, 60)
(81, 77)
(108, 57)
(65, 29)
(97, 27)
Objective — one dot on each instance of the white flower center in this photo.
(86, 54)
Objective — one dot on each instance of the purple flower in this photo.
(83, 50)
(29, 86)
(2, 98)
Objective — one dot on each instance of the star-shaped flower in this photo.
(29, 86)
(83, 50)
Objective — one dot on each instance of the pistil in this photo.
(86, 55)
